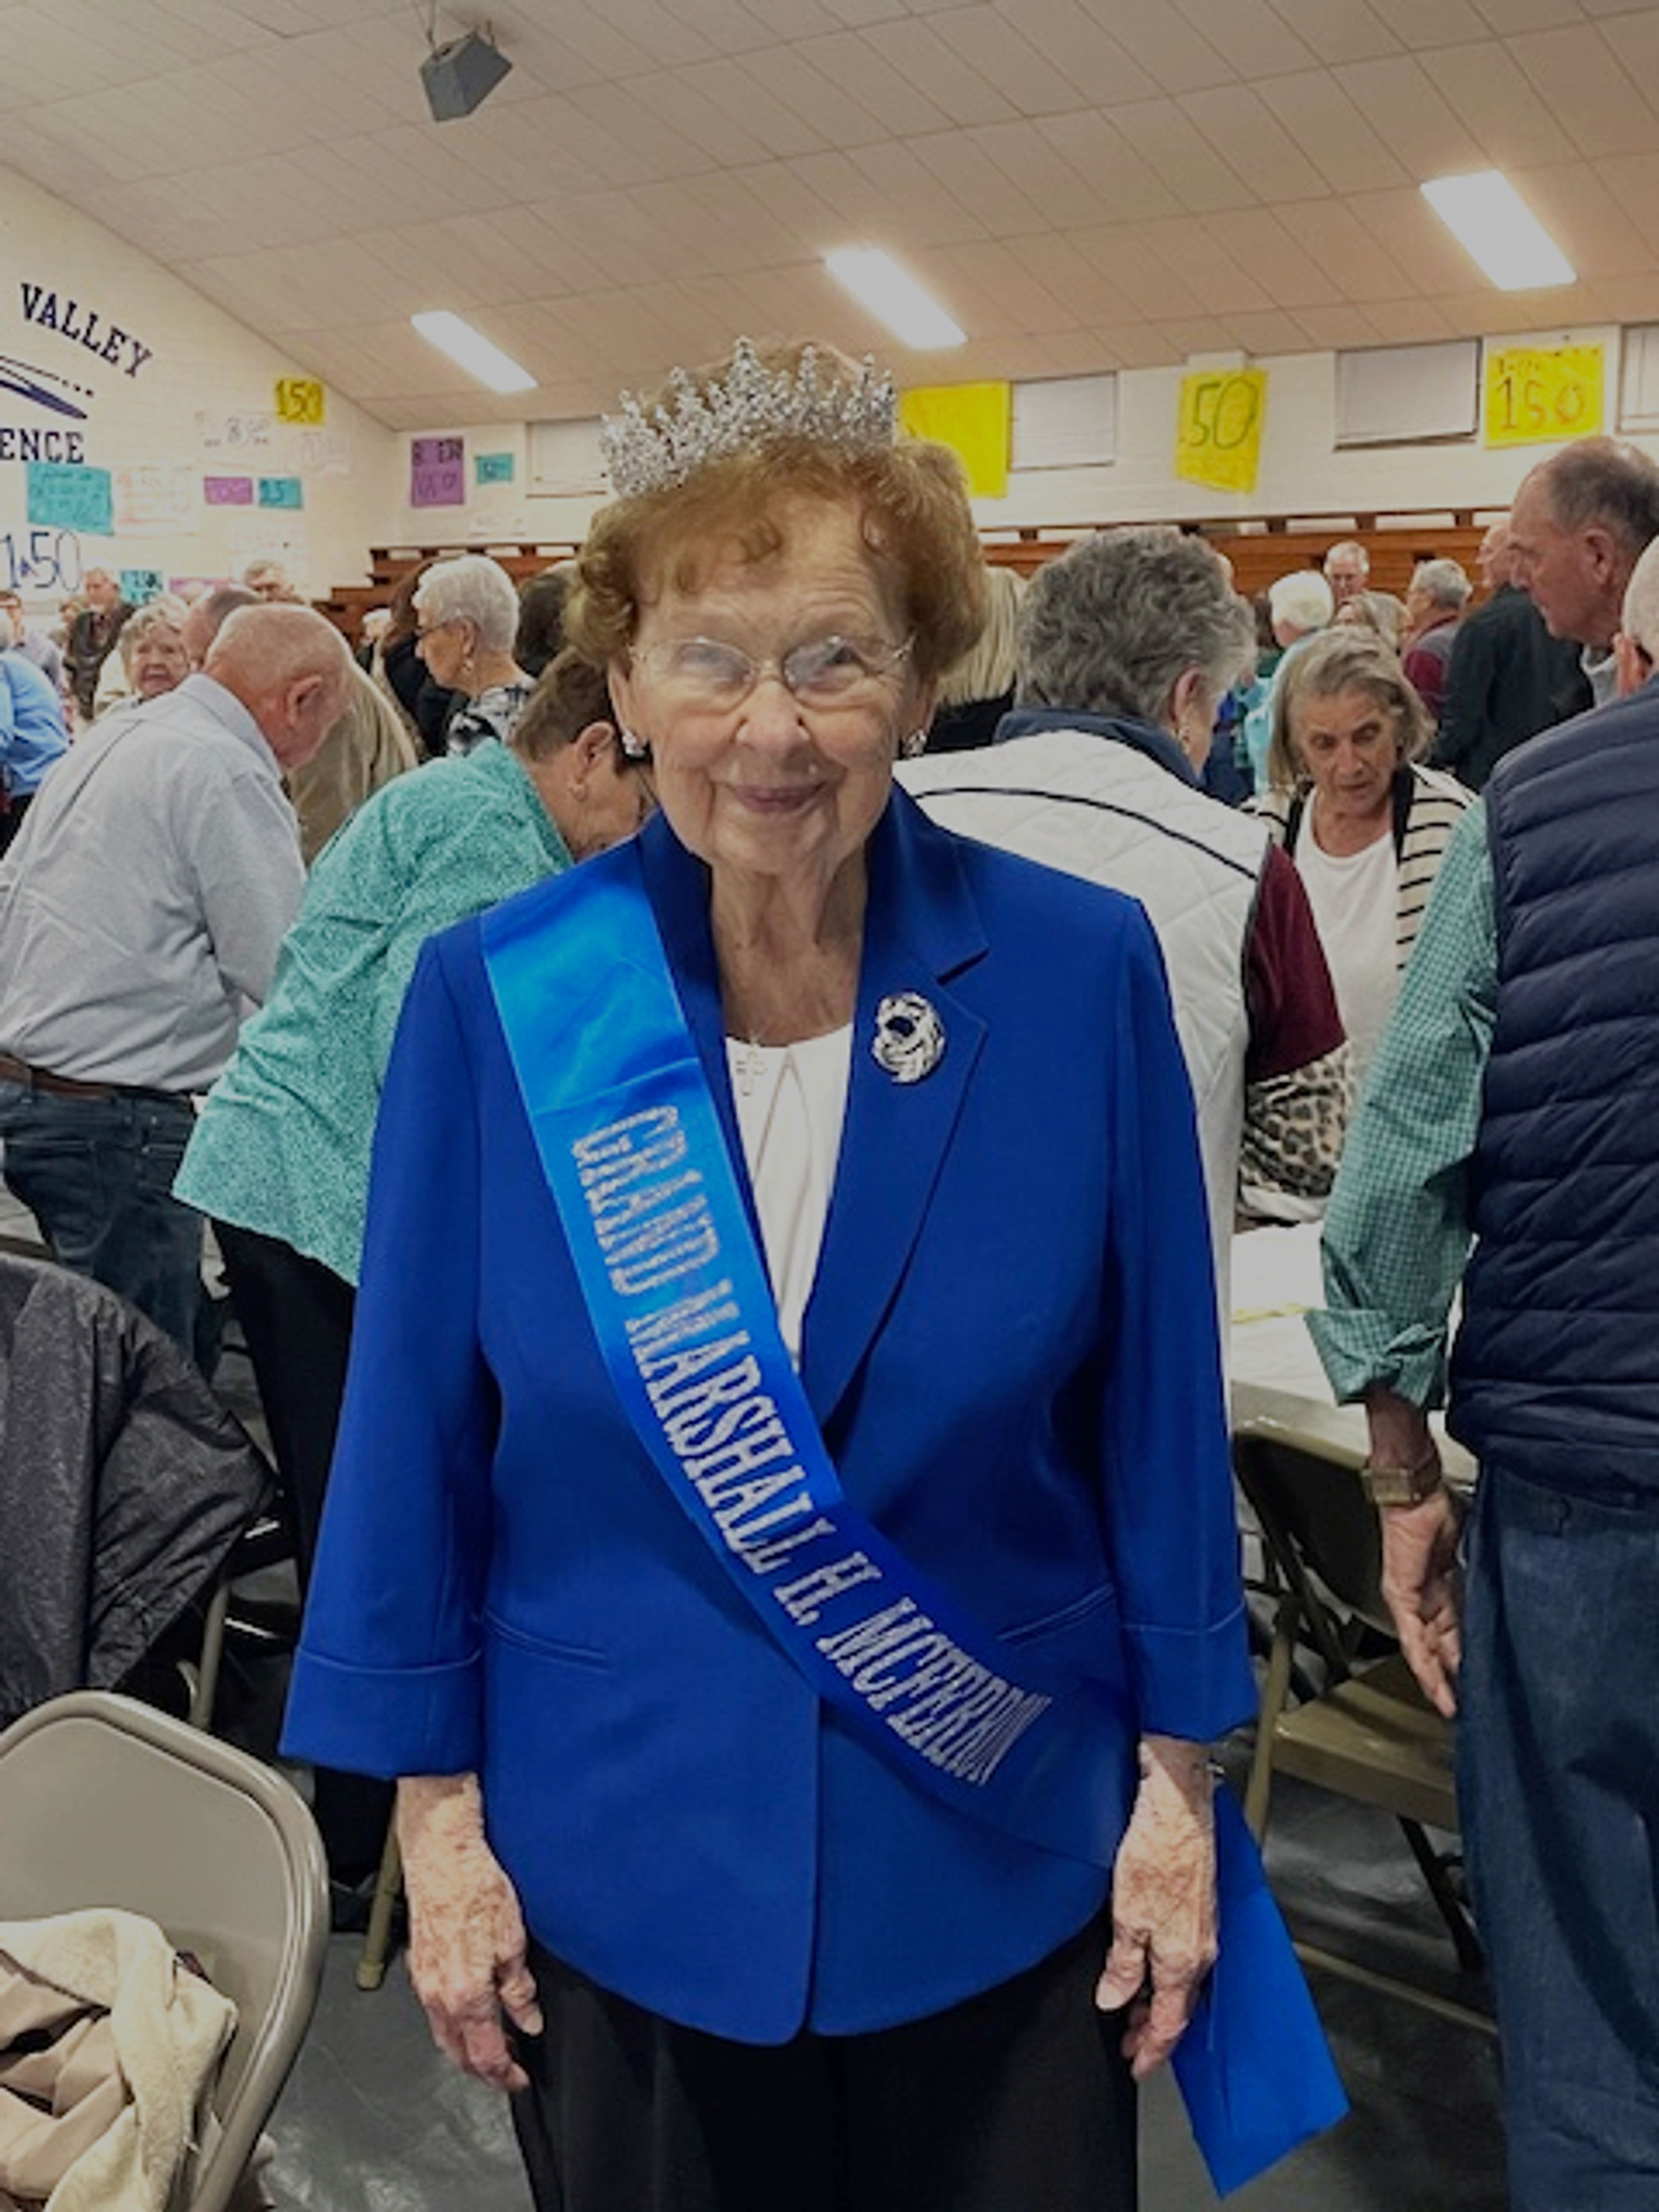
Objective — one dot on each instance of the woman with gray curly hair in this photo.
(466, 618)
(1127, 643)
(1365, 823)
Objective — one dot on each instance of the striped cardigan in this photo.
(1426, 805)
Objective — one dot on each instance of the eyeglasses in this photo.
(825, 671)
(426, 629)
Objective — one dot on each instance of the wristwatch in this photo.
(1401, 1485)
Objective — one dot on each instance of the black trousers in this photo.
(1017, 2101)
(296, 1315)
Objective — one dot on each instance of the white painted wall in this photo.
(199, 362)
(1301, 471)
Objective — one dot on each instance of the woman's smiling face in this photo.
(756, 778)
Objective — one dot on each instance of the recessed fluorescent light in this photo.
(895, 299)
(1488, 216)
(474, 352)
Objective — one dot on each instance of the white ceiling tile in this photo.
(1213, 274)
(1599, 232)
(1083, 353)
(1333, 132)
(1037, 169)
(1406, 225)
(1266, 332)
(931, 63)
(1509, 121)
(1400, 99)
(1153, 289)
(1632, 299)
(1110, 167)
(862, 72)
(1587, 91)
(1508, 17)
(1173, 54)
(1331, 232)
(1088, 57)
(1186, 334)
(1423, 24)
(1180, 154)
(1338, 30)
(698, 103)
(888, 196)
(1267, 245)
(1414, 322)
(1253, 38)
(639, 147)
(1069, 274)
(1257, 145)
(1336, 327)
(1142, 345)
(783, 77)
(1002, 52)
(993, 199)
(1006, 270)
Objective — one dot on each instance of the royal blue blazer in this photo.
(1011, 1350)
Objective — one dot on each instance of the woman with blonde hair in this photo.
(978, 691)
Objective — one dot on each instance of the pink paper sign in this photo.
(437, 472)
(228, 491)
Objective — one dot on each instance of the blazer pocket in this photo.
(1084, 1637)
(555, 1649)
(1082, 1608)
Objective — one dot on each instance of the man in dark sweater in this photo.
(1507, 677)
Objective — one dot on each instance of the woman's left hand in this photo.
(1163, 1902)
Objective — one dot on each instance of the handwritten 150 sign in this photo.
(1539, 393)
(1218, 429)
(300, 399)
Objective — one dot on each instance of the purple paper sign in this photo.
(437, 472)
(228, 491)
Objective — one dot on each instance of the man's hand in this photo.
(1419, 1581)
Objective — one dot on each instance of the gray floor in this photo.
(375, 2118)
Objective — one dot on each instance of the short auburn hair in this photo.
(911, 499)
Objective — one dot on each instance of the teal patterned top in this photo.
(283, 1144)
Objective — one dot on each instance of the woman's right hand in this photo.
(466, 1933)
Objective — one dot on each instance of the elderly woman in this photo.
(280, 1155)
(1128, 641)
(31, 734)
(1365, 823)
(466, 617)
(1379, 612)
(150, 655)
(1299, 606)
(782, 1531)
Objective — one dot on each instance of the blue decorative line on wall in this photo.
(19, 376)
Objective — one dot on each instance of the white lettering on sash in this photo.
(652, 1223)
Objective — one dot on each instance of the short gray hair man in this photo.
(1442, 586)
(1580, 522)
(1347, 568)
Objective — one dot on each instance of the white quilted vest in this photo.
(1095, 808)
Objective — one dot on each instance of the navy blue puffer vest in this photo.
(1556, 1374)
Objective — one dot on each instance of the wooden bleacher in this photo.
(1259, 550)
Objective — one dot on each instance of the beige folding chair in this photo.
(105, 1801)
(1368, 1733)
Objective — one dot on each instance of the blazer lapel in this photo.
(920, 927)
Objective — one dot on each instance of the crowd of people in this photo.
(741, 1320)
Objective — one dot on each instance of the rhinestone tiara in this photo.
(747, 406)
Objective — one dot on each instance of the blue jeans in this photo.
(97, 1175)
(1558, 1780)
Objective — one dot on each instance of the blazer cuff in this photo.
(1192, 1683)
(385, 1721)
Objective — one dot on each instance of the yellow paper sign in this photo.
(300, 399)
(974, 420)
(1539, 392)
(1218, 431)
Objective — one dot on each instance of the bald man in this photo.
(141, 910)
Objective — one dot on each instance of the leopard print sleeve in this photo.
(1294, 1124)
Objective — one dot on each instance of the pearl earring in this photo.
(913, 743)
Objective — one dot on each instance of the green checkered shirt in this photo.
(1398, 1230)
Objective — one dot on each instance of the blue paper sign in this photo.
(64, 497)
(493, 468)
(139, 585)
(282, 491)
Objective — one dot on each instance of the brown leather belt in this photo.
(55, 1086)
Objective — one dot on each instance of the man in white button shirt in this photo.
(141, 908)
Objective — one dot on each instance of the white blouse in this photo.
(791, 1102)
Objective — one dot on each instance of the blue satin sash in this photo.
(632, 1147)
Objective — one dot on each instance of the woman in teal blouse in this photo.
(279, 1158)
